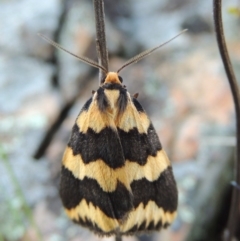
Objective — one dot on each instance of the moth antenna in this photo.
(82, 58)
(147, 52)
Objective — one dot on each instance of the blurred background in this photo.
(182, 86)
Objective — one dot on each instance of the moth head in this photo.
(112, 78)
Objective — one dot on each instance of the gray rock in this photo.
(21, 21)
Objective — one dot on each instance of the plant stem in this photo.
(234, 211)
(118, 237)
(101, 36)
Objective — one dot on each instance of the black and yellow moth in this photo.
(116, 179)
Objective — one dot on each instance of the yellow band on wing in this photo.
(94, 214)
(108, 177)
(150, 213)
(97, 120)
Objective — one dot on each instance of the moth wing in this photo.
(94, 186)
(149, 170)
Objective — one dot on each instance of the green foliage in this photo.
(15, 213)
(234, 11)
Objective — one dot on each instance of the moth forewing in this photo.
(115, 176)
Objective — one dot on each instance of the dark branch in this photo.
(45, 142)
(54, 59)
(101, 36)
(234, 212)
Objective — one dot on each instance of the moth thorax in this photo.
(112, 97)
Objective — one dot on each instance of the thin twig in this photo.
(234, 212)
(118, 237)
(101, 36)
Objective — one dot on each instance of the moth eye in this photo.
(120, 78)
(103, 79)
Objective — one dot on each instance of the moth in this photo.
(116, 179)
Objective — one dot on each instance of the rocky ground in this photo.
(182, 87)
